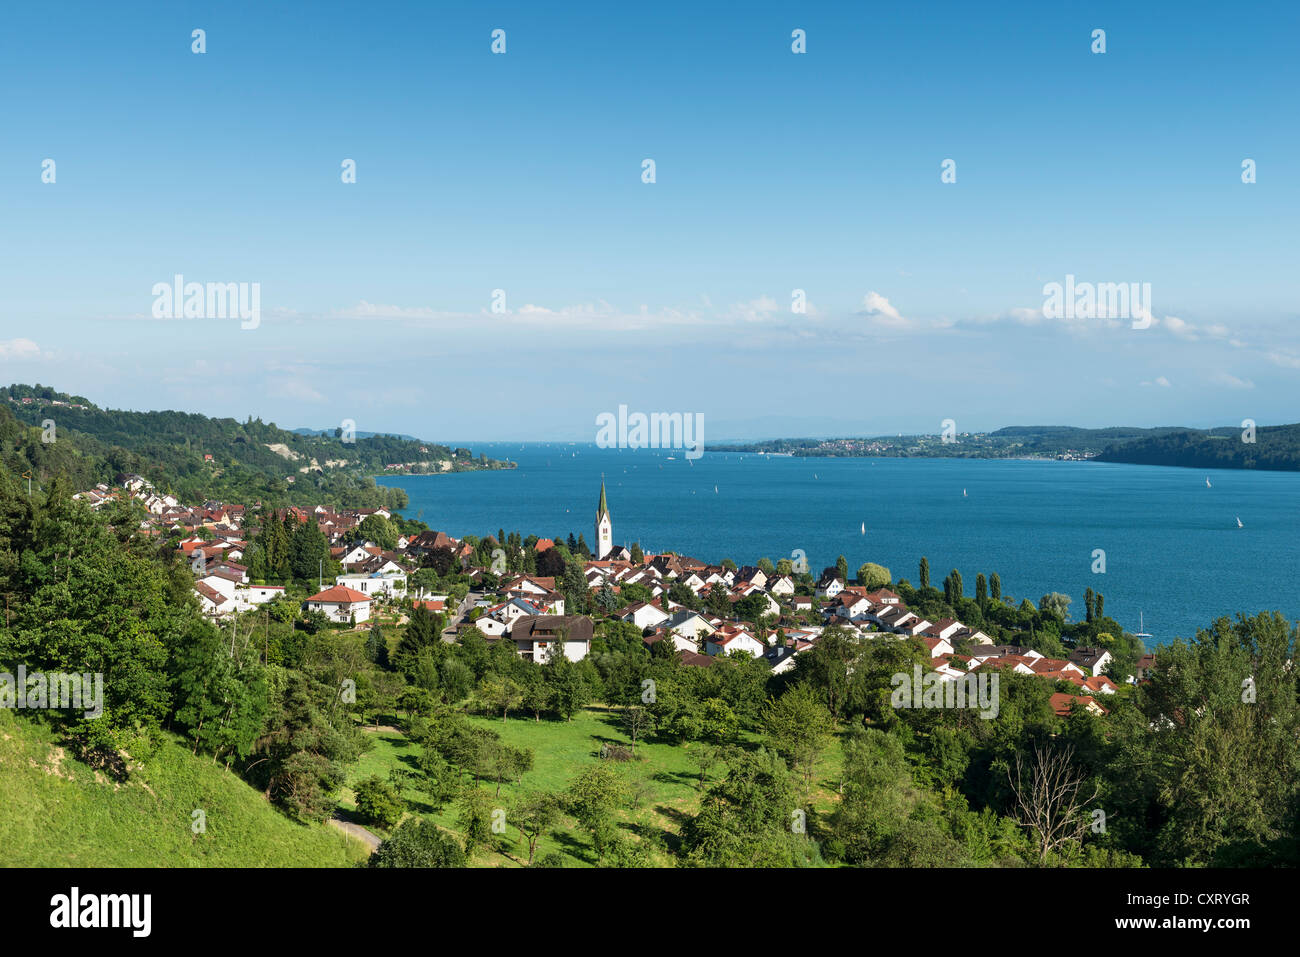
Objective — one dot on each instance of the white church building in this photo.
(604, 526)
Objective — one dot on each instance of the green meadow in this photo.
(56, 811)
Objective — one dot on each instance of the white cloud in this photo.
(19, 349)
(1231, 381)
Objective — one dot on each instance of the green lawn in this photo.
(55, 811)
(561, 749)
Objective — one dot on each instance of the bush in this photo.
(379, 803)
(418, 843)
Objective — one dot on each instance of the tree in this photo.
(924, 576)
(537, 694)
(569, 690)
(379, 802)
(606, 600)
(706, 756)
(377, 646)
(1050, 798)
(309, 551)
(981, 589)
(751, 818)
(874, 576)
(502, 692)
(1055, 604)
(418, 842)
(953, 591)
(636, 721)
(718, 601)
(800, 728)
(474, 818)
(592, 798)
(534, 814)
(995, 586)
(377, 529)
(842, 568)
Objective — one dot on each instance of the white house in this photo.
(341, 603)
(726, 640)
(537, 637)
(781, 585)
(830, 587)
(643, 615)
(375, 584)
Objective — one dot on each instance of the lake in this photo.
(1173, 551)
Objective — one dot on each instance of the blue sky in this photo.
(774, 172)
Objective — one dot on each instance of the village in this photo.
(776, 614)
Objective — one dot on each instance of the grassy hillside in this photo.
(55, 811)
(561, 750)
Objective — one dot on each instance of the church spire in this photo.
(604, 525)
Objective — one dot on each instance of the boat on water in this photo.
(1207, 482)
(963, 493)
(1142, 632)
(1239, 525)
(864, 528)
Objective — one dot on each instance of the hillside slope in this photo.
(197, 457)
(56, 812)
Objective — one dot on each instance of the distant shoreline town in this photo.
(1266, 448)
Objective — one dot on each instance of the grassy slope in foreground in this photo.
(561, 751)
(56, 811)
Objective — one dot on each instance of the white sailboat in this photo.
(1141, 632)
(715, 490)
(1239, 525)
(1207, 482)
(864, 528)
(963, 493)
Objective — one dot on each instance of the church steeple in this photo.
(604, 525)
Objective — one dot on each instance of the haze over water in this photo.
(1173, 548)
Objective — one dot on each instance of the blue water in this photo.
(1173, 548)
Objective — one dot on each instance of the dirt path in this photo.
(356, 830)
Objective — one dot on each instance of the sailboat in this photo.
(1207, 482)
(1239, 525)
(1141, 632)
(864, 528)
(715, 490)
(963, 493)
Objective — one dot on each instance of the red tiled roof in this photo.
(339, 594)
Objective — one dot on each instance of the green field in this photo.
(56, 811)
(561, 749)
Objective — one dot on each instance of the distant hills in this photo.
(197, 457)
(1275, 448)
(360, 435)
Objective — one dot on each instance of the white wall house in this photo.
(342, 604)
(374, 585)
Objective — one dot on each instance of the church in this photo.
(604, 526)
